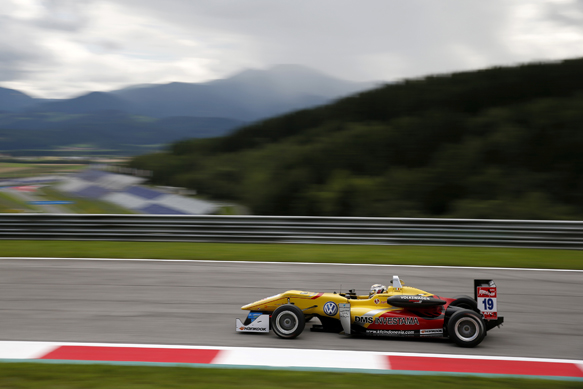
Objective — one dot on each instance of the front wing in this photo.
(259, 323)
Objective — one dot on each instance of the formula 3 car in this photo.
(396, 311)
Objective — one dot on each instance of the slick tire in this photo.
(466, 328)
(288, 321)
(465, 302)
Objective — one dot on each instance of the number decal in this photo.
(488, 304)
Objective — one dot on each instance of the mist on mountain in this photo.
(181, 110)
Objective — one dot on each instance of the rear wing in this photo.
(485, 294)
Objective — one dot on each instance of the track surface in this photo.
(196, 303)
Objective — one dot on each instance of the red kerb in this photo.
(485, 366)
(132, 354)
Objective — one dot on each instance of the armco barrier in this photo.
(295, 229)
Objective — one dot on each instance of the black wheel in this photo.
(466, 328)
(288, 321)
(465, 302)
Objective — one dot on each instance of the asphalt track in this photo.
(196, 303)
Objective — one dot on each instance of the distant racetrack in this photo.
(195, 302)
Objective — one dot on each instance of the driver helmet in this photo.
(377, 288)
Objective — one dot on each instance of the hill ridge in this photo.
(493, 143)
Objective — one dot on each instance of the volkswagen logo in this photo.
(330, 308)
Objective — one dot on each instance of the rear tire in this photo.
(288, 321)
(465, 302)
(466, 328)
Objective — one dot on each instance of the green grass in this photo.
(49, 376)
(11, 164)
(35, 169)
(69, 168)
(406, 255)
(10, 203)
(83, 205)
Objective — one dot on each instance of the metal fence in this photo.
(294, 229)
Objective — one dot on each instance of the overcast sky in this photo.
(62, 48)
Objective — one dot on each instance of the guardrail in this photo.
(294, 229)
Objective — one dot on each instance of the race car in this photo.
(396, 311)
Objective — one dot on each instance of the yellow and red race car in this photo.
(398, 310)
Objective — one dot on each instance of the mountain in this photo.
(293, 79)
(248, 96)
(177, 110)
(12, 100)
(91, 102)
(495, 143)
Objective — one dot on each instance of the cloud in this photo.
(64, 47)
(566, 13)
(545, 30)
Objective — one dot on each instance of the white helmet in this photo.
(377, 288)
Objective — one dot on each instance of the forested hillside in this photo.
(105, 132)
(496, 143)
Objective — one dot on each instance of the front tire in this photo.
(466, 328)
(288, 321)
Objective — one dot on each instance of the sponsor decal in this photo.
(397, 321)
(253, 315)
(387, 321)
(390, 333)
(376, 301)
(251, 328)
(345, 310)
(415, 298)
(364, 319)
(486, 292)
(431, 332)
(260, 324)
(330, 308)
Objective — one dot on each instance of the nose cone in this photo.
(263, 304)
(248, 306)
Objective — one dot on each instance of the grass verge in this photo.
(397, 255)
(36, 375)
(10, 203)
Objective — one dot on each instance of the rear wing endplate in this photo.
(486, 295)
